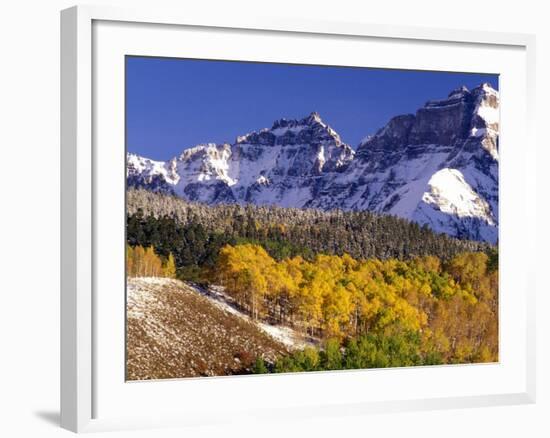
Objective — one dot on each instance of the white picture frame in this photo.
(83, 188)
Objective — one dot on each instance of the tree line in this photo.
(195, 232)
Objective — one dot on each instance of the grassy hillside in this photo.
(173, 331)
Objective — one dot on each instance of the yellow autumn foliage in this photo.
(144, 262)
(453, 305)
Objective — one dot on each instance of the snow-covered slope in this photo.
(176, 329)
(287, 336)
(437, 167)
(150, 174)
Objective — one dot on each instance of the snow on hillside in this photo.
(147, 168)
(286, 335)
(178, 330)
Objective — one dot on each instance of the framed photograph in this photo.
(276, 218)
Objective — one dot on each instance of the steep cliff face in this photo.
(437, 167)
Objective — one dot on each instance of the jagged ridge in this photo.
(437, 167)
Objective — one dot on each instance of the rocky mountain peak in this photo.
(310, 131)
(312, 120)
(458, 92)
(486, 87)
(444, 122)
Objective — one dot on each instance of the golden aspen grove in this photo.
(144, 262)
(450, 308)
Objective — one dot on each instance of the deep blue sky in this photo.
(174, 104)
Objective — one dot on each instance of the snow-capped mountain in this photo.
(437, 167)
(272, 166)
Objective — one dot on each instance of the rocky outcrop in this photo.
(438, 167)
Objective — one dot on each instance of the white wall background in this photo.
(29, 215)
